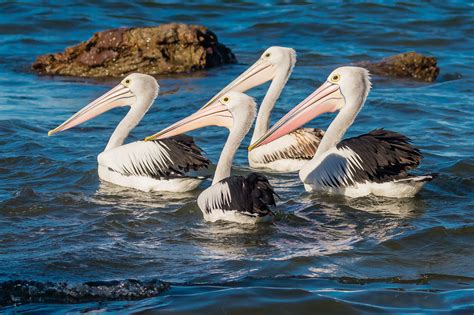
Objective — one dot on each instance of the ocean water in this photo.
(60, 224)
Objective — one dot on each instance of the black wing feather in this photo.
(385, 155)
(251, 195)
(185, 155)
(187, 141)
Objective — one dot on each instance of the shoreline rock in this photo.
(164, 49)
(17, 292)
(407, 65)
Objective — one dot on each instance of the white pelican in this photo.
(231, 198)
(374, 163)
(292, 151)
(147, 166)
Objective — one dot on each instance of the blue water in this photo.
(59, 223)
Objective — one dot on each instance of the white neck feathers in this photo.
(131, 120)
(243, 117)
(276, 87)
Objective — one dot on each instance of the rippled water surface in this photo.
(59, 223)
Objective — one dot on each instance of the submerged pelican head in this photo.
(136, 90)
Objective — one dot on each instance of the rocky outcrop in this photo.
(407, 65)
(17, 292)
(164, 49)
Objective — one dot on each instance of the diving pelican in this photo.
(292, 151)
(374, 163)
(230, 198)
(161, 165)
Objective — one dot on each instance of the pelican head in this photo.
(234, 110)
(345, 89)
(137, 90)
(273, 62)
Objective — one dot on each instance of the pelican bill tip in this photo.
(51, 132)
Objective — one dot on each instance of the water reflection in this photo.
(397, 208)
(110, 194)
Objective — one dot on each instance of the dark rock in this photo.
(164, 49)
(15, 292)
(407, 65)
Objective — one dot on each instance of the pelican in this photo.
(162, 165)
(230, 198)
(373, 163)
(291, 152)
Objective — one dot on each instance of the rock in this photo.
(407, 65)
(16, 292)
(164, 49)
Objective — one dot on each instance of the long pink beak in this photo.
(327, 98)
(260, 72)
(118, 96)
(216, 114)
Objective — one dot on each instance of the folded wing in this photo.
(159, 159)
(379, 156)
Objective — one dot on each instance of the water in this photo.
(59, 223)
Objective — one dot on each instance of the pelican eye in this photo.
(127, 81)
(225, 99)
(267, 55)
(335, 78)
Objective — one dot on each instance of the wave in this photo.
(270, 291)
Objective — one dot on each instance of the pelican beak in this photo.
(327, 98)
(216, 114)
(118, 96)
(259, 73)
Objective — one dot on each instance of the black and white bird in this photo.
(292, 151)
(162, 165)
(231, 198)
(375, 163)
